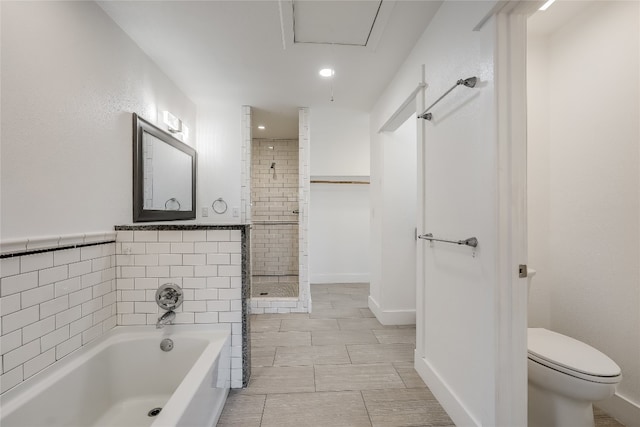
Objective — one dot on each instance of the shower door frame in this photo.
(303, 301)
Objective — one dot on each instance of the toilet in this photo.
(565, 377)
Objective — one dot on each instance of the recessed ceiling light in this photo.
(327, 72)
(546, 5)
(261, 127)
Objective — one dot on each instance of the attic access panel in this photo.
(334, 22)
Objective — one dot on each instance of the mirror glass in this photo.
(167, 176)
(164, 175)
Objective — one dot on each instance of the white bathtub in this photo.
(117, 380)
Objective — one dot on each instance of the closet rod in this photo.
(468, 82)
(322, 181)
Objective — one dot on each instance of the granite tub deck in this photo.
(210, 262)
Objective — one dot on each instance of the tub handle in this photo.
(169, 296)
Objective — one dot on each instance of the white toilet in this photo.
(565, 377)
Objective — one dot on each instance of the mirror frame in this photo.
(140, 126)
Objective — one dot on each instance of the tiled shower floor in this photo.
(337, 366)
(274, 290)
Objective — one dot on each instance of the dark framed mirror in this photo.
(164, 175)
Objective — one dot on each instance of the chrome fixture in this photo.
(165, 319)
(468, 82)
(172, 204)
(471, 241)
(219, 205)
(169, 296)
(166, 344)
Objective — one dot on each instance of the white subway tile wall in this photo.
(245, 166)
(302, 191)
(206, 264)
(52, 303)
(274, 194)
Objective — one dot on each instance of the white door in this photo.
(471, 319)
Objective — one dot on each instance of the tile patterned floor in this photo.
(337, 366)
(274, 289)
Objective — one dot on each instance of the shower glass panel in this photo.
(274, 235)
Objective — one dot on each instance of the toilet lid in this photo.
(569, 355)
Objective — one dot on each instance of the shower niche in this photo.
(275, 218)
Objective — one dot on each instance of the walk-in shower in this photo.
(274, 212)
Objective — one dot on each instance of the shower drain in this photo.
(154, 412)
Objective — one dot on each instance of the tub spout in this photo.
(165, 319)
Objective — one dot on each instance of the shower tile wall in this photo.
(260, 305)
(51, 304)
(245, 166)
(274, 194)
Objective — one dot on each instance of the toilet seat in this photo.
(570, 356)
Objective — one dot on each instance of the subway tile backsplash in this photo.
(207, 264)
(52, 303)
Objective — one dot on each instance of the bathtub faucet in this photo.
(165, 319)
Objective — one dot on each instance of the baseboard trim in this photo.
(622, 409)
(445, 396)
(392, 317)
(340, 278)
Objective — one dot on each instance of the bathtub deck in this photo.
(132, 412)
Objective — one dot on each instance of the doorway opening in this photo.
(275, 202)
(275, 212)
(582, 181)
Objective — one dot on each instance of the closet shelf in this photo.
(340, 179)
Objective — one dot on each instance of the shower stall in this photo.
(274, 213)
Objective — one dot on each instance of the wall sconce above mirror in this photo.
(164, 175)
(173, 123)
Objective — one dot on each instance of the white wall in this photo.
(339, 233)
(339, 142)
(339, 213)
(70, 81)
(458, 360)
(393, 282)
(538, 180)
(219, 160)
(592, 273)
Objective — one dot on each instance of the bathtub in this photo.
(120, 378)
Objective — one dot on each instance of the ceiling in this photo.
(347, 23)
(267, 53)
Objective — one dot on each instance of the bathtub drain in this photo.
(154, 412)
(166, 344)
